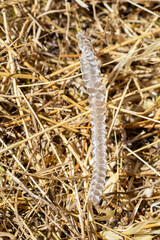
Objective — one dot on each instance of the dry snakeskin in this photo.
(92, 80)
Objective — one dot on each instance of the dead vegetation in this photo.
(45, 170)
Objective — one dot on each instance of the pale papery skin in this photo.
(92, 81)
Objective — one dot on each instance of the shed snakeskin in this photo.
(92, 81)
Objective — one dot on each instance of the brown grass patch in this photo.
(45, 170)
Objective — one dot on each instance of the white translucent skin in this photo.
(92, 80)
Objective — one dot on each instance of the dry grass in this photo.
(45, 170)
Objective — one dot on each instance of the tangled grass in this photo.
(45, 170)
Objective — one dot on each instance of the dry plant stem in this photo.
(145, 9)
(39, 207)
(47, 135)
(95, 89)
(15, 54)
(133, 113)
(13, 70)
(80, 215)
(129, 150)
(6, 234)
(31, 178)
(113, 230)
(146, 34)
(34, 196)
(42, 132)
(125, 61)
(36, 117)
(118, 109)
(68, 18)
(6, 4)
(21, 223)
(39, 29)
